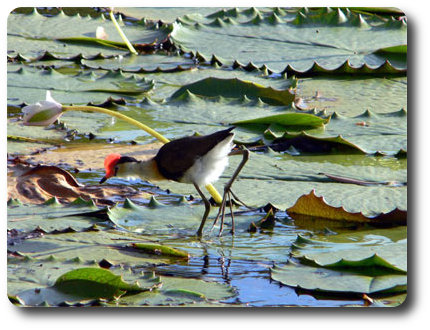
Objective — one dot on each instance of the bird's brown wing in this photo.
(176, 157)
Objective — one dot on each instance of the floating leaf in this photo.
(83, 285)
(391, 257)
(306, 143)
(180, 291)
(94, 283)
(158, 218)
(159, 249)
(236, 88)
(318, 279)
(32, 34)
(379, 95)
(270, 38)
(314, 206)
(69, 88)
(362, 182)
(300, 120)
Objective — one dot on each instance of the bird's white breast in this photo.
(208, 169)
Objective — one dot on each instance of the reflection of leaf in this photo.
(314, 206)
(236, 88)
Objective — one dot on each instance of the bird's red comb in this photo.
(110, 162)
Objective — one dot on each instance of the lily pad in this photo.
(158, 218)
(317, 279)
(378, 95)
(390, 256)
(300, 120)
(177, 291)
(51, 215)
(70, 88)
(144, 63)
(81, 285)
(236, 88)
(159, 249)
(314, 206)
(32, 34)
(327, 36)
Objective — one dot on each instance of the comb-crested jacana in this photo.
(198, 160)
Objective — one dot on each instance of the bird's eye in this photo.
(115, 170)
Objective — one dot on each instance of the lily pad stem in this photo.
(86, 108)
(122, 34)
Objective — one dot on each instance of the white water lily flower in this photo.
(43, 113)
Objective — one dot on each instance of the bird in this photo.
(197, 160)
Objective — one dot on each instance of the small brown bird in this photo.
(198, 160)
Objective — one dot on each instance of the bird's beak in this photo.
(103, 180)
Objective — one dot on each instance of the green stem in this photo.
(122, 34)
(86, 108)
(116, 114)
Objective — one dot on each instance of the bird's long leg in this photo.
(240, 202)
(220, 210)
(227, 188)
(231, 213)
(207, 210)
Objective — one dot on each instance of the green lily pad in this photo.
(177, 291)
(159, 219)
(391, 256)
(276, 39)
(32, 34)
(291, 120)
(317, 279)
(70, 89)
(378, 95)
(236, 88)
(159, 249)
(84, 284)
(143, 63)
(51, 216)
